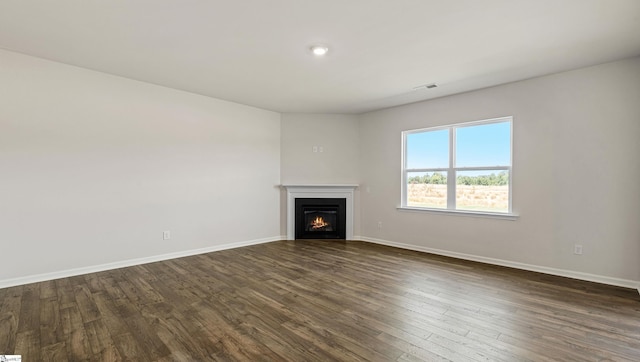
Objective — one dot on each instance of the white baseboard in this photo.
(131, 262)
(633, 284)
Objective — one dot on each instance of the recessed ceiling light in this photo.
(319, 50)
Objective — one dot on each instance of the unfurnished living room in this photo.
(306, 180)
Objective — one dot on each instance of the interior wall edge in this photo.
(625, 283)
(131, 262)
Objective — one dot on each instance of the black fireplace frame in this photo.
(341, 228)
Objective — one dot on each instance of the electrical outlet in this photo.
(314, 148)
(577, 249)
(379, 224)
(166, 235)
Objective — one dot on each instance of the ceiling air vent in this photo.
(425, 86)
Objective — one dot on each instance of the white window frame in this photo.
(452, 170)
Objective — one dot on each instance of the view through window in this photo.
(459, 167)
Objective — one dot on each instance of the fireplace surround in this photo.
(334, 191)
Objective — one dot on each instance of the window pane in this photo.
(484, 145)
(427, 189)
(428, 149)
(482, 190)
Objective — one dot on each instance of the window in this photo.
(462, 167)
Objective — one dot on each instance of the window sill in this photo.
(490, 215)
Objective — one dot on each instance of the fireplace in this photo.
(316, 191)
(320, 218)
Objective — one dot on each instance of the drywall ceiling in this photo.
(256, 52)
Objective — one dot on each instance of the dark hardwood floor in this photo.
(318, 301)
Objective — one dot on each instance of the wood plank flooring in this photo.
(313, 300)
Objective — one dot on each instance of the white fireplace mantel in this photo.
(337, 191)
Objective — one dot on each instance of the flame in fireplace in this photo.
(318, 223)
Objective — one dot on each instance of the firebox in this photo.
(320, 218)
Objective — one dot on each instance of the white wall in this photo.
(576, 172)
(94, 167)
(338, 135)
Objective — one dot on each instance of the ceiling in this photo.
(256, 52)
